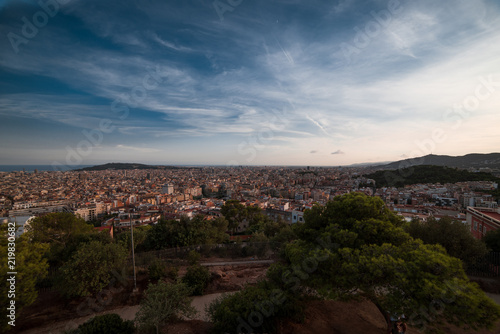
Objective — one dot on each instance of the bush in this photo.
(194, 258)
(172, 273)
(163, 303)
(197, 278)
(156, 270)
(91, 268)
(263, 303)
(492, 240)
(107, 324)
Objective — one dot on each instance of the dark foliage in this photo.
(426, 174)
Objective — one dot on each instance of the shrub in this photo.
(194, 258)
(262, 304)
(162, 303)
(172, 273)
(197, 278)
(107, 323)
(156, 270)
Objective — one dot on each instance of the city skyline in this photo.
(247, 83)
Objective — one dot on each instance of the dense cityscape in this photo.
(283, 192)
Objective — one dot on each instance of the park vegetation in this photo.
(352, 248)
(453, 235)
(355, 248)
(163, 303)
(426, 174)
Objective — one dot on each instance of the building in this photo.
(168, 189)
(482, 220)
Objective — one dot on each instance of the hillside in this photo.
(426, 174)
(475, 160)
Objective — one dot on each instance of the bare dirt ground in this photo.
(333, 317)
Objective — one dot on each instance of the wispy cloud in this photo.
(138, 149)
(227, 80)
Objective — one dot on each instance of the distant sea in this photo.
(31, 168)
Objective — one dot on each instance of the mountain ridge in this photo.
(472, 160)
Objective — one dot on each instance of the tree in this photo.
(78, 241)
(234, 212)
(254, 309)
(57, 227)
(492, 240)
(108, 323)
(157, 270)
(91, 268)
(140, 234)
(354, 247)
(30, 267)
(158, 236)
(197, 278)
(58, 230)
(186, 232)
(162, 303)
(452, 234)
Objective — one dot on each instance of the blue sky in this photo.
(247, 82)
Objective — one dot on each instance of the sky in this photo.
(240, 82)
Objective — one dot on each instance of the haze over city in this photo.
(247, 82)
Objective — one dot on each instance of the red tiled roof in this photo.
(493, 215)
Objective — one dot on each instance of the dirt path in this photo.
(127, 313)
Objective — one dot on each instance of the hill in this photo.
(426, 174)
(474, 160)
(124, 166)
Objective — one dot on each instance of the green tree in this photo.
(194, 258)
(263, 303)
(108, 323)
(186, 232)
(140, 234)
(157, 270)
(452, 234)
(354, 247)
(158, 237)
(58, 230)
(91, 268)
(57, 227)
(492, 240)
(30, 267)
(197, 278)
(162, 302)
(235, 213)
(79, 240)
(269, 227)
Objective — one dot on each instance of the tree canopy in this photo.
(426, 174)
(62, 231)
(452, 234)
(492, 240)
(29, 265)
(91, 268)
(186, 232)
(234, 212)
(354, 247)
(162, 303)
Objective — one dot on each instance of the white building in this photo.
(168, 189)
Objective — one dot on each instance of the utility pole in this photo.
(132, 240)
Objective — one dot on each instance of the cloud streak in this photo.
(224, 81)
